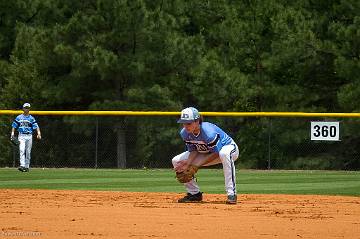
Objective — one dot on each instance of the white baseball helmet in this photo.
(189, 115)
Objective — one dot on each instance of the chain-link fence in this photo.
(152, 141)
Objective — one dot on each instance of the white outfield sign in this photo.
(325, 131)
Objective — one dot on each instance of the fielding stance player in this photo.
(207, 145)
(25, 124)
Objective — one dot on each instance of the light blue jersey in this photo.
(25, 124)
(210, 139)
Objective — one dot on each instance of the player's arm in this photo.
(15, 124)
(38, 136)
(36, 126)
(191, 158)
(184, 164)
(12, 133)
(211, 157)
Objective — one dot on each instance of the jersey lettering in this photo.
(25, 124)
(198, 146)
(201, 148)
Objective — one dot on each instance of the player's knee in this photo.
(175, 160)
(223, 155)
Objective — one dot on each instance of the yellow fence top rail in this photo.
(164, 113)
(92, 113)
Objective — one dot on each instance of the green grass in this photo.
(163, 180)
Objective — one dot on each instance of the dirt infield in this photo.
(94, 214)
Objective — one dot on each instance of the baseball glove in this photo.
(14, 141)
(187, 175)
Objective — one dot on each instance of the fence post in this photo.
(269, 144)
(96, 141)
(121, 146)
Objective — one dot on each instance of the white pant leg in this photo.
(28, 146)
(25, 149)
(192, 187)
(228, 154)
(22, 142)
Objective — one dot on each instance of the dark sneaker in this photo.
(231, 199)
(21, 169)
(191, 198)
(26, 170)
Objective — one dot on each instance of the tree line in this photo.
(218, 55)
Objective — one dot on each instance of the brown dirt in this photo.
(94, 214)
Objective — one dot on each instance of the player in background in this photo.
(25, 125)
(206, 144)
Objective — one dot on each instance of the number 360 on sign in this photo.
(325, 130)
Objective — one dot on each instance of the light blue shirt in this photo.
(210, 139)
(25, 124)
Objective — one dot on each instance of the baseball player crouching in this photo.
(207, 145)
(25, 125)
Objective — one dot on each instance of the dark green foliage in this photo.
(275, 55)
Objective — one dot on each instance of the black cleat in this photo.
(231, 199)
(191, 198)
(21, 169)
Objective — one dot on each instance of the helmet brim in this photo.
(183, 121)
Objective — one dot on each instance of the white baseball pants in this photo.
(227, 156)
(25, 146)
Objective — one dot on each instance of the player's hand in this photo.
(12, 137)
(38, 136)
(181, 166)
